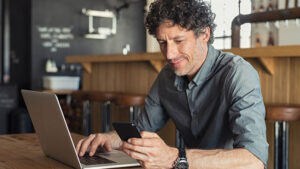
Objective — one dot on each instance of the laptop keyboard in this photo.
(93, 160)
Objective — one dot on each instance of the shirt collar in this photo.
(182, 82)
(206, 69)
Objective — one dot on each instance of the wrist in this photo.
(174, 156)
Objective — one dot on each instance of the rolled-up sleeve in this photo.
(152, 117)
(247, 112)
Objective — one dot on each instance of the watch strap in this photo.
(181, 161)
(181, 153)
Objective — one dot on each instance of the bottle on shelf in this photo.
(261, 6)
(54, 67)
(257, 40)
(270, 6)
(50, 65)
(253, 6)
(271, 39)
(276, 5)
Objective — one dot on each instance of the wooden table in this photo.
(23, 151)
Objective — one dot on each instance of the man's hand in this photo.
(108, 141)
(151, 151)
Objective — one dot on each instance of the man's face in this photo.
(181, 48)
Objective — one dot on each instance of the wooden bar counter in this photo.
(23, 151)
(277, 66)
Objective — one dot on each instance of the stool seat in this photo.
(131, 99)
(283, 112)
(103, 96)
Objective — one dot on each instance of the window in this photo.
(225, 12)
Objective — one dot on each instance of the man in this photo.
(213, 98)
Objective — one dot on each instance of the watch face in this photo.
(182, 164)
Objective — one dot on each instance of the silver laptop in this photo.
(55, 138)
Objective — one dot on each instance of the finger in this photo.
(108, 146)
(85, 144)
(146, 134)
(140, 149)
(78, 145)
(99, 140)
(95, 144)
(136, 155)
(144, 142)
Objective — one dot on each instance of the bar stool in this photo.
(81, 105)
(282, 114)
(134, 101)
(105, 98)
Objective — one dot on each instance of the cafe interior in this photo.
(99, 60)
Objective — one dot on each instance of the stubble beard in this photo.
(185, 71)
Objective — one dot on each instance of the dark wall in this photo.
(20, 43)
(67, 14)
(1, 37)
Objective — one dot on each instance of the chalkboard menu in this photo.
(8, 97)
(58, 28)
(55, 38)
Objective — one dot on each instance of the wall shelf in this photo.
(155, 59)
(265, 56)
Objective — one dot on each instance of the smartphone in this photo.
(126, 130)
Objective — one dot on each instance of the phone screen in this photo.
(126, 131)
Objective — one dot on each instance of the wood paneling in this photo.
(131, 77)
(295, 80)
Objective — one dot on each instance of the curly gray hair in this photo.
(193, 15)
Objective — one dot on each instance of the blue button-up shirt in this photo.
(221, 108)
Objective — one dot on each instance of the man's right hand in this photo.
(108, 141)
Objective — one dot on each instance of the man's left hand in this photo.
(151, 151)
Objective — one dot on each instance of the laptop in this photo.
(55, 138)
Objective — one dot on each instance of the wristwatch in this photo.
(181, 162)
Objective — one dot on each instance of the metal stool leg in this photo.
(131, 111)
(134, 112)
(106, 117)
(281, 146)
(276, 145)
(87, 125)
(285, 145)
